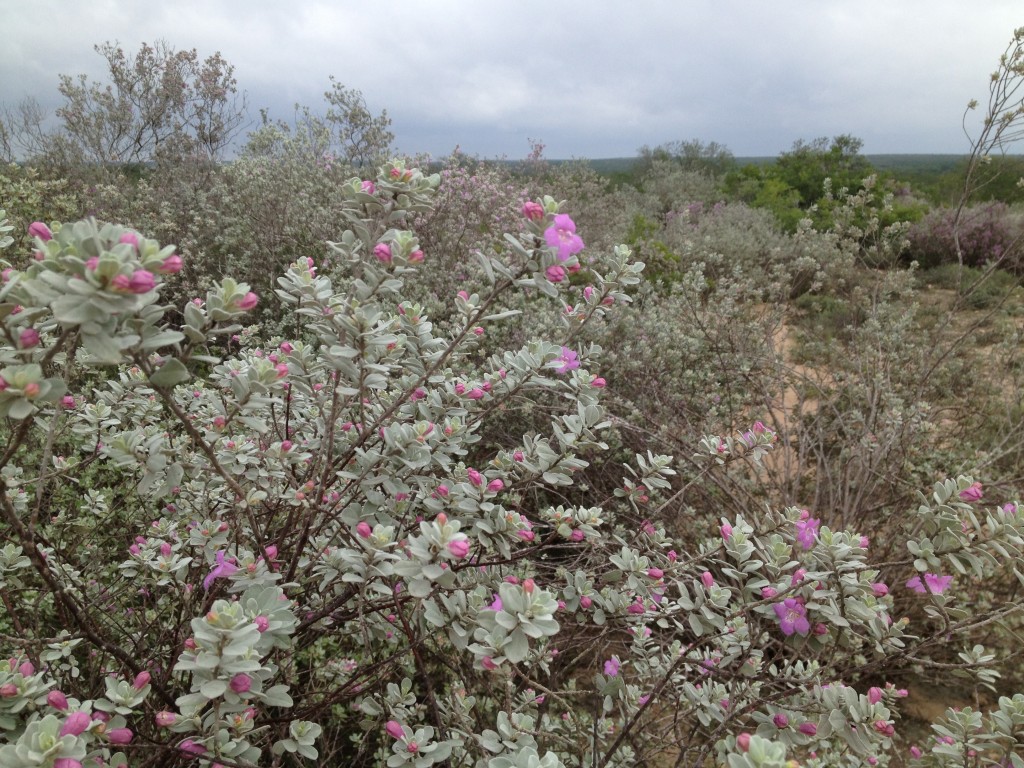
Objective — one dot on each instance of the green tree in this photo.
(808, 164)
(711, 158)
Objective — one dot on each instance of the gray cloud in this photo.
(594, 79)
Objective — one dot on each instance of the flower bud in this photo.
(533, 211)
(247, 302)
(166, 719)
(395, 729)
(141, 281)
(40, 230)
(120, 735)
(170, 265)
(75, 724)
(241, 683)
(459, 548)
(57, 700)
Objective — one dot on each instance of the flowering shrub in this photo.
(986, 233)
(239, 550)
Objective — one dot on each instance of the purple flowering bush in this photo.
(986, 233)
(315, 547)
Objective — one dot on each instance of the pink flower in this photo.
(367, 186)
(40, 230)
(142, 679)
(932, 583)
(170, 265)
(586, 602)
(780, 720)
(395, 729)
(247, 302)
(241, 683)
(562, 235)
(879, 589)
(28, 338)
(68, 402)
(808, 729)
(569, 360)
(725, 531)
(222, 570)
(475, 477)
(806, 531)
(475, 393)
(66, 762)
(915, 751)
(363, 530)
(76, 724)
(459, 548)
(495, 485)
(972, 493)
(8, 691)
(707, 579)
(792, 617)
(555, 273)
(875, 694)
(383, 253)
(533, 211)
(598, 382)
(416, 257)
(655, 573)
(262, 623)
(517, 456)
(120, 735)
(611, 666)
(57, 700)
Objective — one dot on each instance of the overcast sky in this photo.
(589, 78)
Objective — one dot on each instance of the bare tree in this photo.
(362, 139)
(158, 103)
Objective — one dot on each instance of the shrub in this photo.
(985, 233)
(326, 523)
